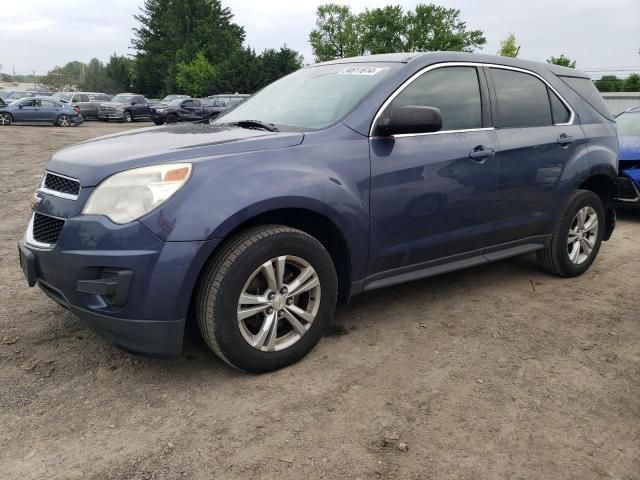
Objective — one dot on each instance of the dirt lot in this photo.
(496, 372)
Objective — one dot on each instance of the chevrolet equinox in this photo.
(341, 178)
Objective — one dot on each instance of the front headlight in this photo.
(126, 196)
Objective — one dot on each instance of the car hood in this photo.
(113, 104)
(629, 147)
(92, 161)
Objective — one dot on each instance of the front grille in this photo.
(626, 189)
(61, 184)
(46, 229)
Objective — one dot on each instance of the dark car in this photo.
(629, 181)
(340, 178)
(126, 107)
(88, 102)
(190, 110)
(39, 110)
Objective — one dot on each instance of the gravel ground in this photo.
(496, 372)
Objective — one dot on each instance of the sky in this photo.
(40, 34)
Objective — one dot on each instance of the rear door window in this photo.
(559, 111)
(522, 100)
(455, 91)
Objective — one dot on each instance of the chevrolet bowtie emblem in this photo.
(35, 200)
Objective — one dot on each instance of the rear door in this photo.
(47, 111)
(537, 137)
(188, 110)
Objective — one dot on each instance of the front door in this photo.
(432, 194)
(28, 111)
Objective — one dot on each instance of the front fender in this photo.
(327, 174)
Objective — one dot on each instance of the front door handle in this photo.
(565, 139)
(480, 154)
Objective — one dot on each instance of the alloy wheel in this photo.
(279, 303)
(5, 119)
(583, 234)
(64, 121)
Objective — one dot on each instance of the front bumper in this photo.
(111, 115)
(130, 286)
(628, 188)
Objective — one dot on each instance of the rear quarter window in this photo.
(588, 91)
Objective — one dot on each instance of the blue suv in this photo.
(629, 181)
(340, 178)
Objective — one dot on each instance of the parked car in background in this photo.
(340, 178)
(88, 102)
(629, 133)
(230, 100)
(189, 110)
(40, 110)
(126, 107)
(171, 98)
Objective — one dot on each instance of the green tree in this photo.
(336, 34)
(433, 28)
(172, 32)
(609, 83)
(340, 33)
(119, 73)
(95, 77)
(383, 30)
(278, 63)
(563, 61)
(631, 83)
(508, 47)
(195, 77)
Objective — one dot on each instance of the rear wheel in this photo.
(64, 121)
(171, 118)
(577, 236)
(266, 297)
(5, 118)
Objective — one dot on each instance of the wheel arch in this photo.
(603, 183)
(308, 220)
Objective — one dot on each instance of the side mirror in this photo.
(134, 102)
(410, 119)
(20, 106)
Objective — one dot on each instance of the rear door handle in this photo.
(565, 139)
(480, 154)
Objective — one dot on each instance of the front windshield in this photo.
(311, 98)
(63, 96)
(170, 98)
(175, 103)
(4, 94)
(629, 123)
(121, 98)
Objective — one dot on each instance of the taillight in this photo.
(76, 108)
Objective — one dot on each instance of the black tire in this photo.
(225, 277)
(64, 121)
(127, 117)
(555, 258)
(171, 118)
(5, 119)
(159, 122)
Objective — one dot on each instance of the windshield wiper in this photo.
(256, 124)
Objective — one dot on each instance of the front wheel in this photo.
(266, 297)
(127, 117)
(577, 237)
(5, 119)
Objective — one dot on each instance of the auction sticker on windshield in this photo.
(361, 71)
